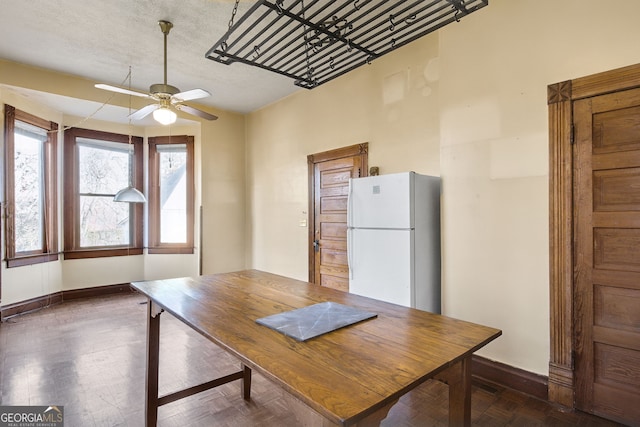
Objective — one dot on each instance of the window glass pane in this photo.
(103, 222)
(173, 194)
(103, 167)
(29, 187)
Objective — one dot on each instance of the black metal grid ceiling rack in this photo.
(318, 40)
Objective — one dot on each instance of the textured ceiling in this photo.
(99, 40)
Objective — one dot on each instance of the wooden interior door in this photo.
(329, 174)
(607, 255)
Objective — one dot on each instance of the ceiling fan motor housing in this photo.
(161, 89)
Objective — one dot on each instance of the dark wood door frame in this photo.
(561, 245)
(339, 153)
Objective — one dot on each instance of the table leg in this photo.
(459, 380)
(153, 358)
(246, 382)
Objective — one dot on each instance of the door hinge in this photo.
(572, 135)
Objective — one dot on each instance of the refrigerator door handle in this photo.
(349, 252)
(350, 204)
(349, 225)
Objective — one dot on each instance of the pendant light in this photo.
(130, 194)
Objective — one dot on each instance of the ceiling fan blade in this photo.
(144, 111)
(188, 95)
(196, 112)
(122, 90)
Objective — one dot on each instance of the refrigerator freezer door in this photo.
(383, 201)
(381, 265)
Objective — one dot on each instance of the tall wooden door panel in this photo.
(329, 189)
(332, 190)
(607, 255)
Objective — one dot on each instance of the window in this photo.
(30, 167)
(171, 195)
(97, 166)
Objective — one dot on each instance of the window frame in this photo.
(72, 248)
(155, 245)
(49, 251)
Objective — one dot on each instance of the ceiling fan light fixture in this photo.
(165, 116)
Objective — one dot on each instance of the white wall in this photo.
(467, 103)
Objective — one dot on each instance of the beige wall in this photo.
(469, 104)
(223, 189)
(390, 104)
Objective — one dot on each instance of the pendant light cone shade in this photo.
(129, 195)
(164, 116)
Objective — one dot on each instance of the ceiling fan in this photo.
(165, 95)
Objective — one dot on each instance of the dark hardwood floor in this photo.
(89, 356)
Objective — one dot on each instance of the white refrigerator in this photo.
(393, 239)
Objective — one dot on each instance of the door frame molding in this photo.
(560, 98)
(361, 150)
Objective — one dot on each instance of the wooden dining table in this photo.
(350, 376)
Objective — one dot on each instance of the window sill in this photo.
(31, 259)
(170, 250)
(101, 253)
